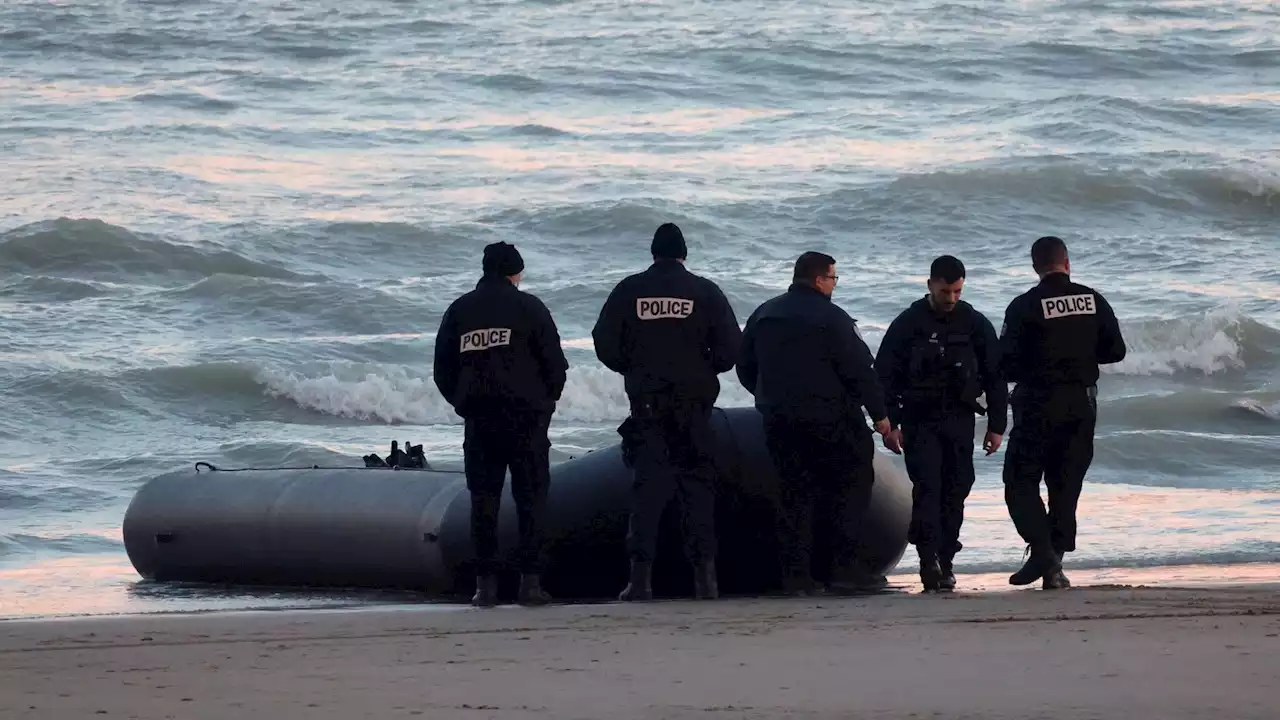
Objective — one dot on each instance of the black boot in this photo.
(531, 592)
(798, 586)
(640, 587)
(856, 581)
(948, 573)
(1056, 580)
(930, 573)
(1042, 562)
(705, 584)
(486, 591)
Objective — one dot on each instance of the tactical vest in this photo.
(943, 372)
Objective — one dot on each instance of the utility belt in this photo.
(1025, 390)
(922, 408)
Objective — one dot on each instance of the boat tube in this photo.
(410, 528)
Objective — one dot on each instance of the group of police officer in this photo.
(670, 333)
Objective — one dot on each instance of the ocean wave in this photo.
(1197, 409)
(93, 249)
(1088, 183)
(338, 376)
(397, 394)
(1211, 343)
(50, 289)
(76, 543)
(338, 307)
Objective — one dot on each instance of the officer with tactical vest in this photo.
(498, 362)
(1054, 337)
(936, 359)
(669, 333)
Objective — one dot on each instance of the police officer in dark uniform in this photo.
(669, 333)
(811, 375)
(1054, 337)
(937, 358)
(498, 362)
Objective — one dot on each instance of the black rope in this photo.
(215, 468)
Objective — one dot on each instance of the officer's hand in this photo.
(893, 441)
(991, 442)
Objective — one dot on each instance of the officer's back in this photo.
(1057, 333)
(498, 351)
(667, 330)
(805, 360)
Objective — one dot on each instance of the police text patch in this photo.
(659, 308)
(1068, 305)
(485, 339)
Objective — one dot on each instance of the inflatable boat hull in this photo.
(410, 529)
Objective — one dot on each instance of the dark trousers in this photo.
(1052, 437)
(939, 459)
(493, 444)
(669, 442)
(825, 478)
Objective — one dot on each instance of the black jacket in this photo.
(1058, 333)
(498, 350)
(802, 358)
(932, 364)
(667, 330)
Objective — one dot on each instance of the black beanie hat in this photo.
(502, 259)
(668, 242)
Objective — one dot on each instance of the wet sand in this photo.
(1101, 652)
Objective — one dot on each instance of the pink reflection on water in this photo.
(1241, 288)
(795, 155)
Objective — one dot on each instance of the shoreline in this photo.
(145, 599)
(1100, 652)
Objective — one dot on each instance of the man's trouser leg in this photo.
(530, 482)
(1023, 469)
(957, 483)
(1070, 458)
(923, 451)
(792, 450)
(485, 451)
(690, 448)
(1030, 446)
(848, 476)
(655, 481)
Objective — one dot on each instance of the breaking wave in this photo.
(90, 248)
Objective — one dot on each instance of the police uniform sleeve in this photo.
(891, 363)
(1011, 333)
(446, 367)
(993, 382)
(607, 335)
(747, 365)
(726, 336)
(545, 341)
(1111, 347)
(854, 365)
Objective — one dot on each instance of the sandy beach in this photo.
(1101, 652)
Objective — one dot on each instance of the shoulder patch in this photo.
(1068, 305)
(659, 308)
(484, 339)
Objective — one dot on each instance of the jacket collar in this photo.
(494, 281)
(806, 289)
(668, 265)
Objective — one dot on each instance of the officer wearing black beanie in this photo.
(498, 362)
(669, 333)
